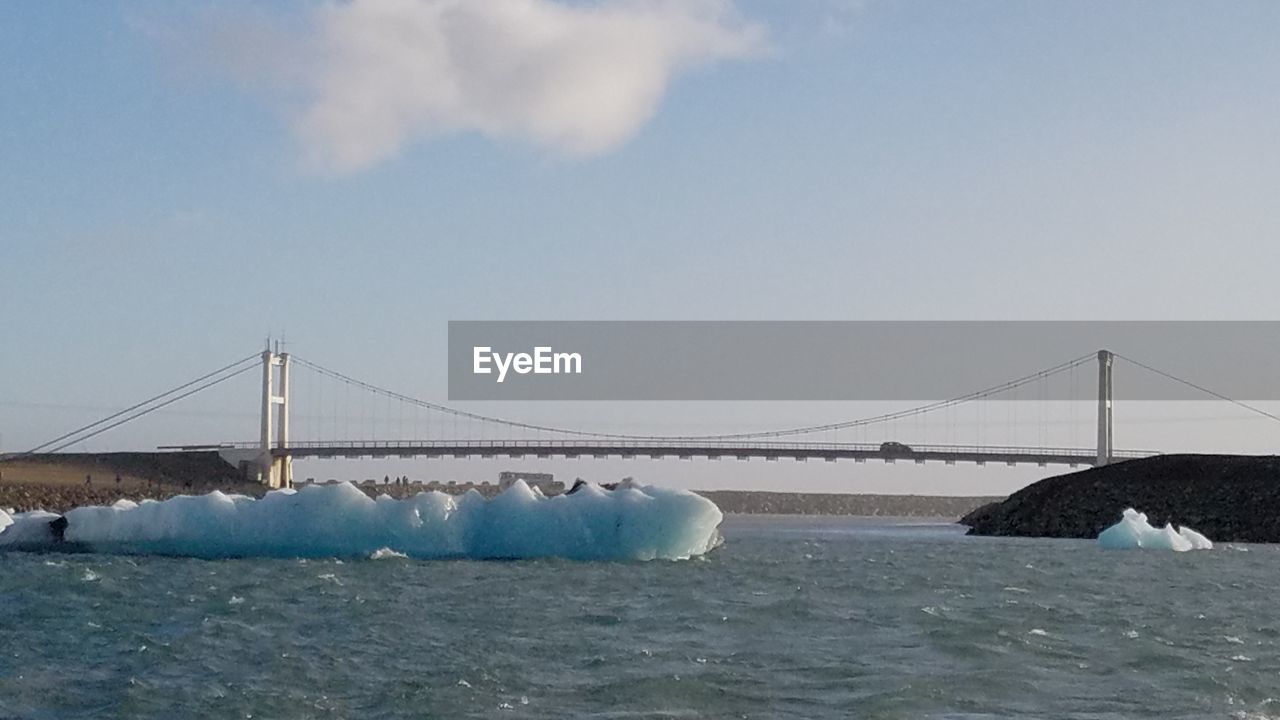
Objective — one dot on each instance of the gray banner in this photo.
(857, 360)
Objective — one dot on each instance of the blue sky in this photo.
(161, 210)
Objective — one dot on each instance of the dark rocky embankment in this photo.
(59, 482)
(37, 496)
(1229, 498)
(159, 467)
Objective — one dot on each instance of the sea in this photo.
(793, 617)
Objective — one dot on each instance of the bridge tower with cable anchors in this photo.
(276, 469)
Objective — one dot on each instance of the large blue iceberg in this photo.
(1133, 532)
(320, 521)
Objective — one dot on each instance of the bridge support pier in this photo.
(1106, 437)
(281, 473)
(276, 470)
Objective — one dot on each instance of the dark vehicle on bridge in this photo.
(895, 448)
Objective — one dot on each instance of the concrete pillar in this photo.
(281, 472)
(284, 477)
(1106, 438)
(264, 445)
(275, 471)
(282, 435)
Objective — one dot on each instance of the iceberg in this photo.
(322, 521)
(28, 530)
(1133, 531)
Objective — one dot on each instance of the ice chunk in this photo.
(5, 520)
(1133, 531)
(1127, 533)
(29, 531)
(632, 523)
(1198, 541)
(1166, 538)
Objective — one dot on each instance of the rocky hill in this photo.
(1230, 498)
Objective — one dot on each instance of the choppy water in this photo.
(804, 618)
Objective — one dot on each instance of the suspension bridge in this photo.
(399, 425)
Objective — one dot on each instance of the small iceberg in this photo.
(1133, 531)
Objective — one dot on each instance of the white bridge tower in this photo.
(276, 469)
(1106, 438)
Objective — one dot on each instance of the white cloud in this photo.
(577, 78)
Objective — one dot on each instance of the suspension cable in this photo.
(1201, 388)
(806, 430)
(131, 408)
(152, 409)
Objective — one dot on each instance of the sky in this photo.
(179, 180)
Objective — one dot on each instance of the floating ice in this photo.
(1198, 541)
(5, 520)
(1133, 531)
(28, 531)
(317, 521)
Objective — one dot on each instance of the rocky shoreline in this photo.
(21, 497)
(24, 496)
(63, 481)
(1229, 498)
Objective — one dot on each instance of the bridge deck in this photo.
(689, 449)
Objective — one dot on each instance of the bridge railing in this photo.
(676, 444)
